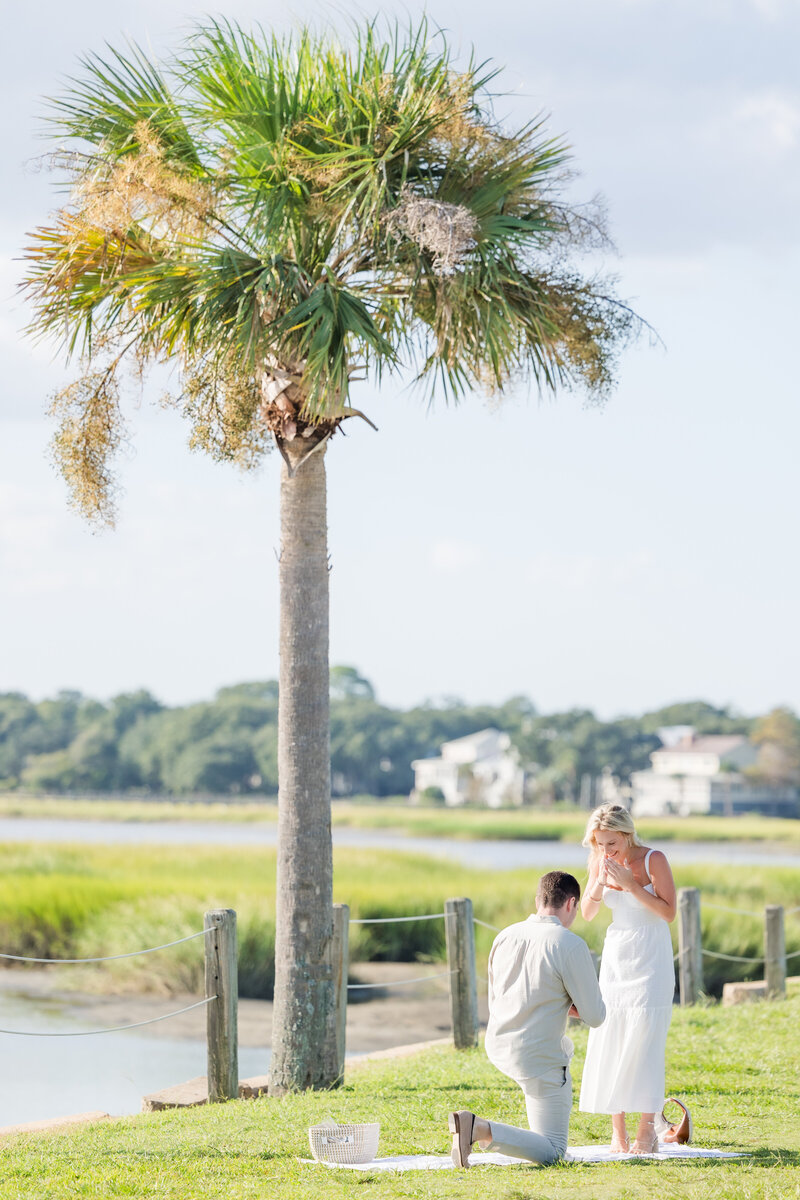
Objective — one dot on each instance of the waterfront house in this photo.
(704, 773)
(481, 768)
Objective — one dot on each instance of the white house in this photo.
(702, 774)
(482, 768)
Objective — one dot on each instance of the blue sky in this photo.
(616, 559)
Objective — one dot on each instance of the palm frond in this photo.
(297, 208)
(112, 100)
(331, 331)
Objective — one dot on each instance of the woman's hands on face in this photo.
(618, 875)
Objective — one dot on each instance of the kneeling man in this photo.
(539, 974)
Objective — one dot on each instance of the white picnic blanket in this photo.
(490, 1158)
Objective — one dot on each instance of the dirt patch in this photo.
(391, 1014)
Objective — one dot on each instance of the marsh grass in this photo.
(737, 1069)
(86, 900)
(135, 810)
(527, 824)
(395, 814)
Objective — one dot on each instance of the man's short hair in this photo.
(556, 888)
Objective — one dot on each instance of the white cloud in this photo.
(774, 117)
(772, 10)
(754, 126)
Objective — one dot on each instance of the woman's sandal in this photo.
(461, 1125)
(620, 1145)
(647, 1144)
(682, 1132)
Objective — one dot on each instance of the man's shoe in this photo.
(682, 1132)
(461, 1124)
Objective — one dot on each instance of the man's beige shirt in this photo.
(537, 969)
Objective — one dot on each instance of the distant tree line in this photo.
(228, 746)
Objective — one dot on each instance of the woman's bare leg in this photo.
(619, 1134)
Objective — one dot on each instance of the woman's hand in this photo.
(619, 876)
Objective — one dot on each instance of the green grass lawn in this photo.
(396, 816)
(738, 1069)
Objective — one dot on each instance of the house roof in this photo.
(471, 737)
(712, 743)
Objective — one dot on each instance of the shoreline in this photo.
(384, 1022)
(379, 1019)
(64, 1124)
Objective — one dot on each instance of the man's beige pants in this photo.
(548, 1099)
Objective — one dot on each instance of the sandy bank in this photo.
(377, 1019)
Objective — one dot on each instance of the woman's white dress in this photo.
(624, 1068)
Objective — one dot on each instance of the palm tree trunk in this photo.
(303, 1033)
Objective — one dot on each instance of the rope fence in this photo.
(353, 987)
(742, 912)
(389, 983)
(395, 920)
(105, 957)
(106, 1029)
(220, 1001)
(710, 953)
(731, 957)
(745, 912)
(677, 957)
(741, 957)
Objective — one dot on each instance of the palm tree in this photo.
(283, 217)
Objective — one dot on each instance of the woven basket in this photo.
(344, 1143)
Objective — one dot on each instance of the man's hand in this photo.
(573, 1012)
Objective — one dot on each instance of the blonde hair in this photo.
(611, 818)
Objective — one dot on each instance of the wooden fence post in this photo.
(690, 946)
(222, 1014)
(460, 934)
(774, 952)
(341, 964)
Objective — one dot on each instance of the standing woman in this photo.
(624, 1069)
